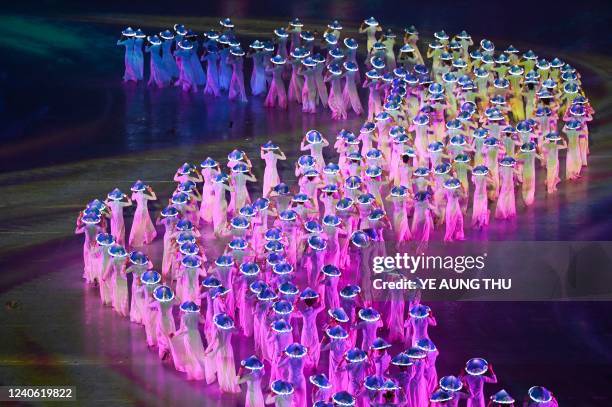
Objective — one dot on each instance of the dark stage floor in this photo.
(71, 132)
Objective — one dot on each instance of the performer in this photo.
(294, 29)
(296, 83)
(373, 84)
(336, 100)
(370, 27)
(277, 94)
(506, 207)
(417, 393)
(251, 372)
(379, 357)
(168, 60)
(453, 212)
(225, 69)
(258, 75)
(475, 377)
(187, 77)
(422, 221)
(240, 176)
(187, 344)
(349, 94)
(116, 201)
(219, 212)
(211, 57)
(128, 40)
(103, 257)
(322, 94)
(417, 326)
(281, 41)
(159, 71)
(143, 231)
(309, 89)
(573, 161)
(337, 346)
(480, 210)
(551, 153)
(236, 86)
(221, 351)
(118, 278)
(309, 308)
(293, 364)
(165, 326)
(139, 263)
(194, 61)
(150, 281)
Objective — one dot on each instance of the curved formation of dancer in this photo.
(287, 259)
(312, 69)
(292, 282)
(440, 143)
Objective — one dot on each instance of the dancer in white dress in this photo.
(143, 231)
(127, 40)
(138, 57)
(116, 201)
(251, 372)
(258, 75)
(165, 326)
(271, 153)
(370, 27)
(186, 343)
(117, 275)
(139, 263)
(159, 74)
(167, 57)
(220, 348)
